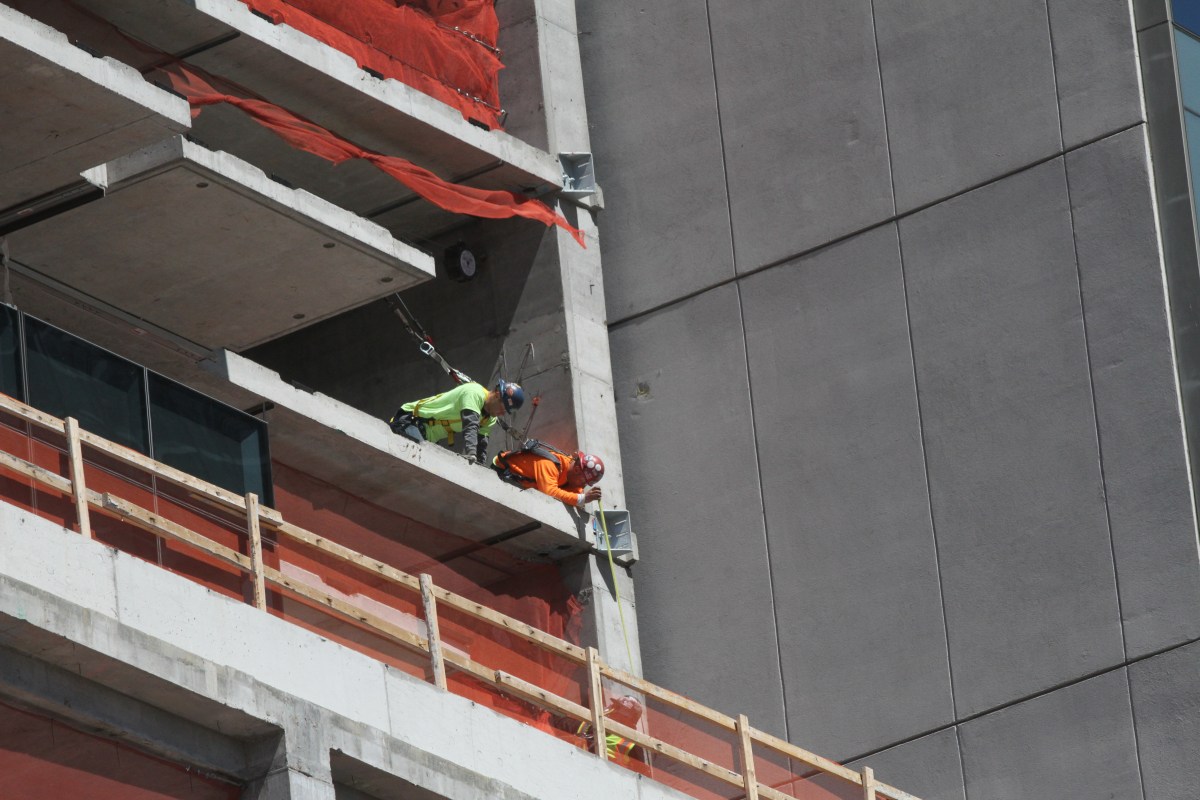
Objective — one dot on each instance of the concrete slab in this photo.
(963, 108)
(852, 555)
(1077, 741)
(802, 124)
(929, 767)
(1095, 68)
(697, 504)
(358, 453)
(67, 111)
(310, 78)
(1166, 710)
(1141, 428)
(223, 255)
(655, 140)
(1011, 440)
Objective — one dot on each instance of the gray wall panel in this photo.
(1095, 67)
(1137, 402)
(1166, 711)
(706, 623)
(1076, 742)
(852, 551)
(1010, 438)
(665, 228)
(929, 767)
(964, 107)
(798, 86)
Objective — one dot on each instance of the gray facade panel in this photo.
(1010, 438)
(684, 414)
(1137, 403)
(962, 107)
(1095, 67)
(847, 507)
(803, 124)
(665, 228)
(929, 767)
(1166, 711)
(1076, 742)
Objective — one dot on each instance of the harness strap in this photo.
(445, 423)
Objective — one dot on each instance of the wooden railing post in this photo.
(78, 487)
(431, 629)
(868, 781)
(749, 774)
(596, 701)
(256, 556)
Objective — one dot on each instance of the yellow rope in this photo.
(616, 591)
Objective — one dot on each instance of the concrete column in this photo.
(587, 331)
(295, 766)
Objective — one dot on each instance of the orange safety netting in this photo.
(312, 138)
(201, 89)
(532, 593)
(444, 48)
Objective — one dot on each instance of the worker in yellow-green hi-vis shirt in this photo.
(467, 412)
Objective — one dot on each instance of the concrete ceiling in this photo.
(220, 254)
(75, 110)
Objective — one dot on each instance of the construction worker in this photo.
(553, 472)
(625, 710)
(468, 411)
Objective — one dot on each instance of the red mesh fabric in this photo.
(312, 138)
(532, 593)
(41, 758)
(197, 85)
(413, 42)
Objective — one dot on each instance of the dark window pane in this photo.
(10, 362)
(210, 440)
(69, 377)
(1187, 14)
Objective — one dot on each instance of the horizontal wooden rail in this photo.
(667, 696)
(203, 489)
(676, 754)
(434, 597)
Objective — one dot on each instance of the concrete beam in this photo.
(222, 255)
(66, 111)
(359, 454)
(93, 707)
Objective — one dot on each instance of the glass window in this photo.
(69, 377)
(10, 360)
(1187, 14)
(210, 440)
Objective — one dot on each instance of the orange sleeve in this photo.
(545, 478)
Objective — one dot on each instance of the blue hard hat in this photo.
(511, 394)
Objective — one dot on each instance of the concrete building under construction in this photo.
(879, 313)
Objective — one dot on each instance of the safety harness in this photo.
(445, 423)
(538, 448)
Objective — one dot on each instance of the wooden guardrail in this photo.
(429, 646)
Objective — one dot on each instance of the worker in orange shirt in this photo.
(565, 477)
